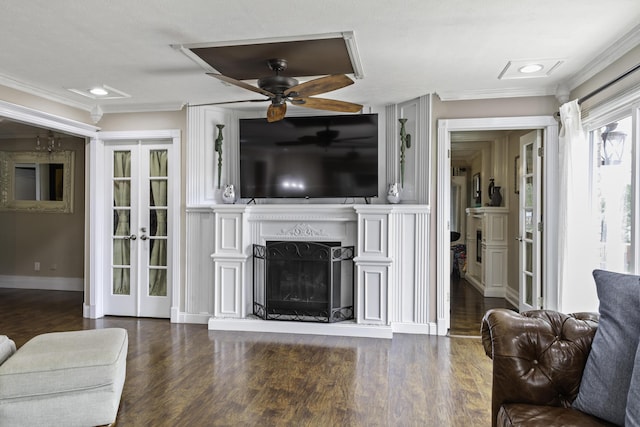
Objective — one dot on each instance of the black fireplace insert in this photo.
(303, 281)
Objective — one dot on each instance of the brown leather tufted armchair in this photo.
(538, 358)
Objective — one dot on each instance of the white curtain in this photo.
(576, 239)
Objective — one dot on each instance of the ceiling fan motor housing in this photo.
(276, 84)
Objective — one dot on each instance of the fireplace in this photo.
(303, 281)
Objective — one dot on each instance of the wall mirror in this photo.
(477, 192)
(36, 181)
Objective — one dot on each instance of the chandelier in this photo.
(51, 144)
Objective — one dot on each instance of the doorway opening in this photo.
(501, 169)
(484, 262)
(53, 219)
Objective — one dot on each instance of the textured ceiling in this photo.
(456, 48)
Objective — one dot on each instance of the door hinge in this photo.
(540, 151)
(540, 227)
(540, 301)
(448, 154)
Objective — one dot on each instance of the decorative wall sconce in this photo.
(52, 144)
(612, 145)
(405, 143)
(218, 148)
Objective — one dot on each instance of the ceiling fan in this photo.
(281, 89)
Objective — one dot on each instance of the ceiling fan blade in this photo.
(241, 84)
(229, 102)
(276, 112)
(327, 104)
(320, 85)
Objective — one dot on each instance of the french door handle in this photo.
(132, 237)
(143, 237)
(519, 239)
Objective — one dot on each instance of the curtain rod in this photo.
(607, 85)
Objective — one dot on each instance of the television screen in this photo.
(311, 157)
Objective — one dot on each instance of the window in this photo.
(613, 148)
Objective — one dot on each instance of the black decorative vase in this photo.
(496, 197)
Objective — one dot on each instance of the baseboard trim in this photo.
(345, 329)
(475, 283)
(43, 283)
(513, 297)
(181, 317)
(414, 328)
(494, 293)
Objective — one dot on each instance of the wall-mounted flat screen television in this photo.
(310, 157)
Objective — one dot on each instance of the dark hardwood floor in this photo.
(468, 306)
(186, 375)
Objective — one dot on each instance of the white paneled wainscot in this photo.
(391, 264)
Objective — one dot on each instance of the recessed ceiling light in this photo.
(99, 91)
(530, 68)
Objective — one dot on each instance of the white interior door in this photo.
(530, 224)
(139, 220)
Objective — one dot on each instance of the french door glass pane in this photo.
(613, 194)
(528, 159)
(158, 222)
(121, 284)
(158, 252)
(528, 224)
(528, 192)
(121, 222)
(157, 282)
(121, 281)
(158, 163)
(122, 164)
(121, 193)
(528, 290)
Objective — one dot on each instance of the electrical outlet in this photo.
(36, 266)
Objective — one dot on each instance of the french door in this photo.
(139, 221)
(530, 224)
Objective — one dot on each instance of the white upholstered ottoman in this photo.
(64, 379)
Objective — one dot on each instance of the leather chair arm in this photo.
(538, 356)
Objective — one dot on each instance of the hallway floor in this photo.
(468, 306)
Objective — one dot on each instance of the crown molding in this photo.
(12, 83)
(143, 108)
(115, 108)
(45, 120)
(494, 93)
(607, 57)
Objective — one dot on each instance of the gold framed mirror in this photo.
(37, 181)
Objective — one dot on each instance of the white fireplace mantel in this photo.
(391, 266)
